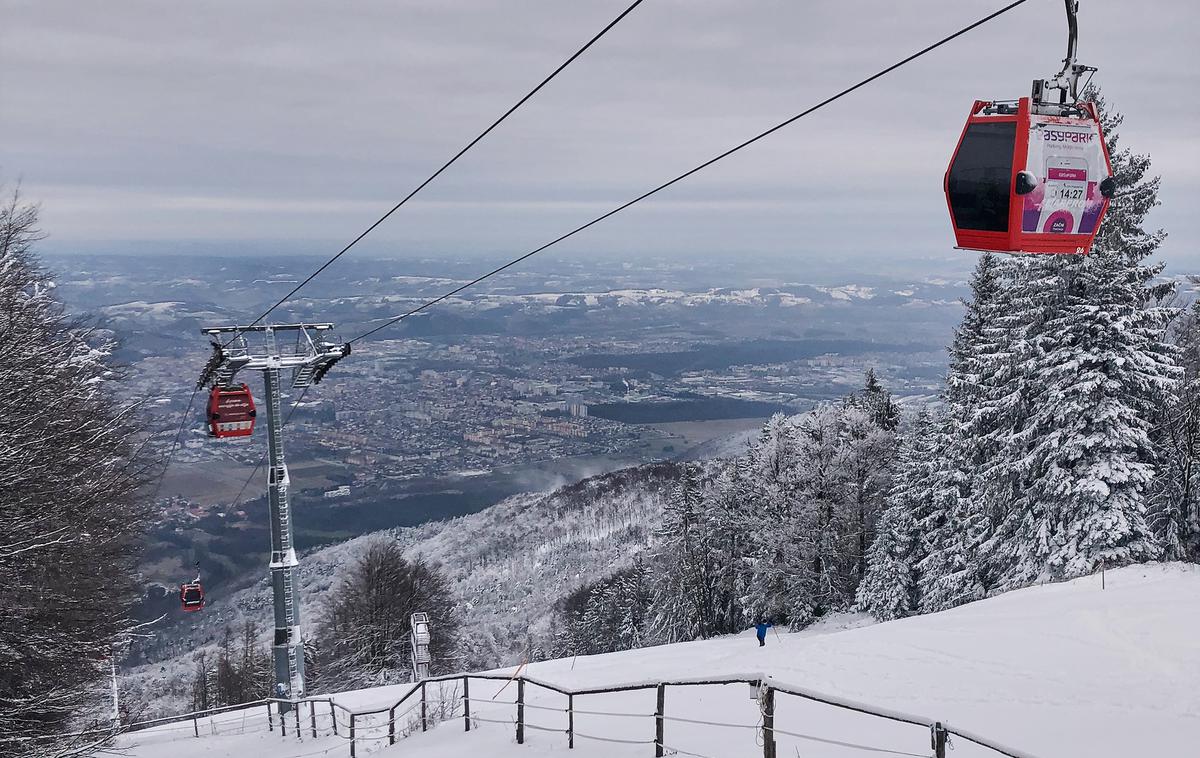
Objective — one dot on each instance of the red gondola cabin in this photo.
(231, 412)
(1023, 182)
(191, 596)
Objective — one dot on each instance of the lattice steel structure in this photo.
(309, 359)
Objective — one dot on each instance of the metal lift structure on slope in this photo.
(308, 359)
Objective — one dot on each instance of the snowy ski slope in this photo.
(1055, 671)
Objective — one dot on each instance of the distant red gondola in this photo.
(231, 412)
(191, 596)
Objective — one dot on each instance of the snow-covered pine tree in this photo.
(877, 402)
(971, 338)
(866, 459)
(1175, 502)
(991, 450)
(1102, 367)
(684, 602)
(889, 587)
(633, 598)
(887, 591)
(771, 509)
(820, 557)
(987, 399)
(968, 438)
(949, 565)
(729, 527)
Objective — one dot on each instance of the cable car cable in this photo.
(262, 459)
(174, 443)
(183, 421)
(883, 72)
(697, 169)
(444, 166)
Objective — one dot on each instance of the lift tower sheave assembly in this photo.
(257, 348)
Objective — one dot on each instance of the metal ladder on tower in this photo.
(276, 432)
(302, 376)
(289, 612)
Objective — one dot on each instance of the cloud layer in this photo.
(302, 121)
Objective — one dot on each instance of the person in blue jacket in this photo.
(760, 629)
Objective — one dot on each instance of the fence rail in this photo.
(356, 730)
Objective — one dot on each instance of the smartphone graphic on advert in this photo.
(1066, 194)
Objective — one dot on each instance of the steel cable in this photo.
(697, 169)
(444, 166)
(852, 745)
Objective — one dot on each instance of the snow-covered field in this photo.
(1055, 671)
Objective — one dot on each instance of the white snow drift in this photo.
(1055, 671)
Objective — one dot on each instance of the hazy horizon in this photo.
(296, 125)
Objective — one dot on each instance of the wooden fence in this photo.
(358, 726)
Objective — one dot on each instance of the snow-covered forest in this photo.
(1065, 442)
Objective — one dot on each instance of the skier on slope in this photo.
(760, 630)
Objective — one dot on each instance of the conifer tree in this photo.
(772, 508)
(1102, 368)
(730, 534)
(685, 596)
(877, 402)
(889, 589)
(1175, 502)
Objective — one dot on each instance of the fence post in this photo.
(312, 712)
(466, 704)
(938, 739)
(196, 726)
(768, 721)
(282, 721)
(570, 721)
(424, 721)
(520, 711)
(333, 716)
(270, 720)
(658, 721)
(297, 719)
(392, 725)
(351, 734)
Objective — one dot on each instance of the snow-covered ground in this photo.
(1055, 671)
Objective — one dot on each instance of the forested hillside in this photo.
(1065, 442)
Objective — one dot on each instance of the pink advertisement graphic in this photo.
(1067, 160)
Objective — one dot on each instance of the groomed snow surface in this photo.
(1054, 671)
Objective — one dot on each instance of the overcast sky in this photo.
(295, 124)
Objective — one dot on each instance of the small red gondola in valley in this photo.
(231, 412)
(1032, 176)
(191, 596)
